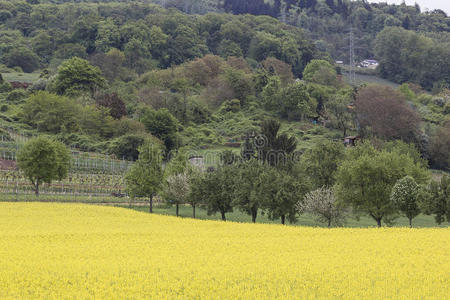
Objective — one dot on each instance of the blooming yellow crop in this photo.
(76, 251)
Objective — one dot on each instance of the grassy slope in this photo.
(304, 220)
(21, 77)
(371, 79)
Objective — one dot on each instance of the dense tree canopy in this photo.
(384, 112)
(146, 34)
(366, 179)
(145, 177)
(406, 56)
(76, 76)
(43, 160)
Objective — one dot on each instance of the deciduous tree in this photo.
(322, 161)
(76, 76)
(43, 160)
(145, 177)
(385, 113)
(438, 201)
(405, 195)
(280, 193)
(324, 205)
(365, 180)
(249, 187)
(177, 189)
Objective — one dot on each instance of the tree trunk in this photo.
(410, 222)
(177, 207)
(193, 211)
(223, 216)
(283, 219)
(151, 204)
(254, 215)
(378, 222)
(185, 109)
(329, 222)
(36, 189)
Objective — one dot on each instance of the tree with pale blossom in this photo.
(323, 204)
(177, 190)
(405, 196)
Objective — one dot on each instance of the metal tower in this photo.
(352, 58)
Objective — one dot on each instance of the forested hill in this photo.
(36, 36)
(411, 45)
(417, 50)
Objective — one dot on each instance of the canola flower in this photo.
(73, 251)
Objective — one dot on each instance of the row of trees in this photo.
(327, 181)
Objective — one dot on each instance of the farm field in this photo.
(21, 77)
(81, 251)
(370, 79)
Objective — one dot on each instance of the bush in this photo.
(129, 126)
(127, 146)
(39, 85)
(5, 87)
(51, 113)
(78, 141)
(16, 96)
(5, 136)
(231, 105)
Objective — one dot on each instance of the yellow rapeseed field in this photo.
(65, 251)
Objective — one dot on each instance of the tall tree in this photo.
(144, 178)
(438, 201)
(384, 112)
(214, 190)
(249, 187)
(320, 72)
(274, 148)
(365, 180)
(280, 193)
(324, 205)
(339, 113)
(196, 189)
(177, 189)
(76, 76)
(43, 160)
(440, 147)
(112, 101)
(162, 124)
(322, 161)
(405, 196)
(295, 102)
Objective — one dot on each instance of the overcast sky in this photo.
(430, 4)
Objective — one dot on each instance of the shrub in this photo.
(16, 96)
(127, 146)
(5, 87)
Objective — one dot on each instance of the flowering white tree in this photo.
(322, 203)
(177, 189)
(405, 194)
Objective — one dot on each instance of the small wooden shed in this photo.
(351, 141)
